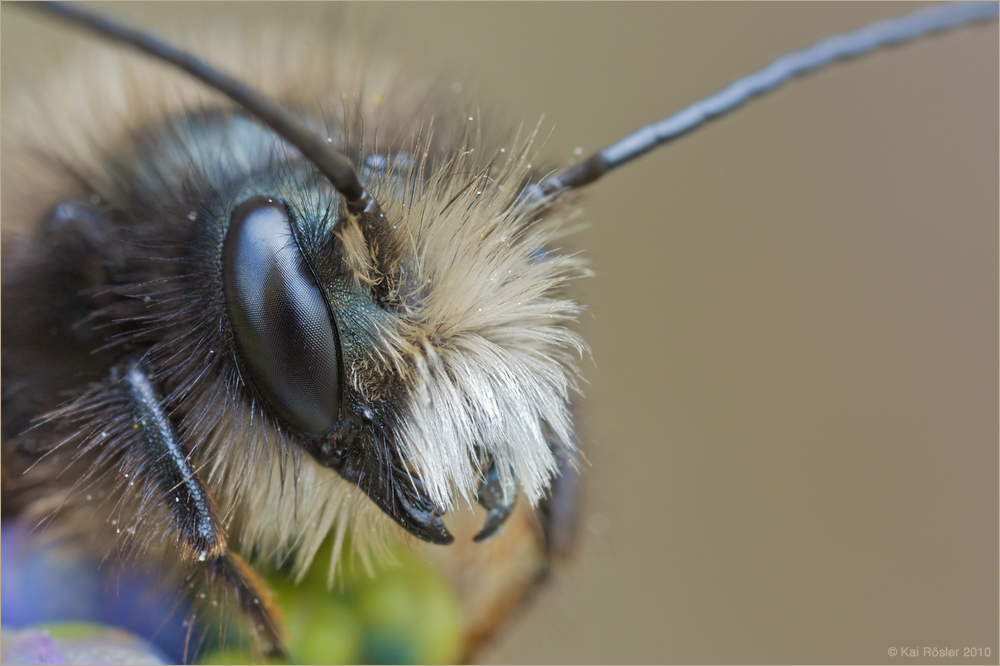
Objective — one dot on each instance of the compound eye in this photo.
(280, 319)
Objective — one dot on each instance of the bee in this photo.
(102, 400)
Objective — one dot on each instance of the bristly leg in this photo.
(185, 494)
(127, 431)
(194, 513)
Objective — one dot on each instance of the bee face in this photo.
(790, 322)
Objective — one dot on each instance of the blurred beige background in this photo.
(791, 414)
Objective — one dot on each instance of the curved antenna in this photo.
(337, 168)
(828, 51)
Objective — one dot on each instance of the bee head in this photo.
(413, 347)
(394, 312)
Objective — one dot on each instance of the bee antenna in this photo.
(336, 167)
(825, 52)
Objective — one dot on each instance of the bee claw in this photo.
(491, 498)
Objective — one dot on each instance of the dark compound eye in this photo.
(280, 319)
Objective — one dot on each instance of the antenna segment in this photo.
(826, 52)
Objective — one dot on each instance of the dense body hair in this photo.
(473, 365)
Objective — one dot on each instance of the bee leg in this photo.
(83, 237)
(491, 498)
(195, 517)
(79, 223)
(254, 599)
(190, 504)
(558, 511)
(74, 255)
